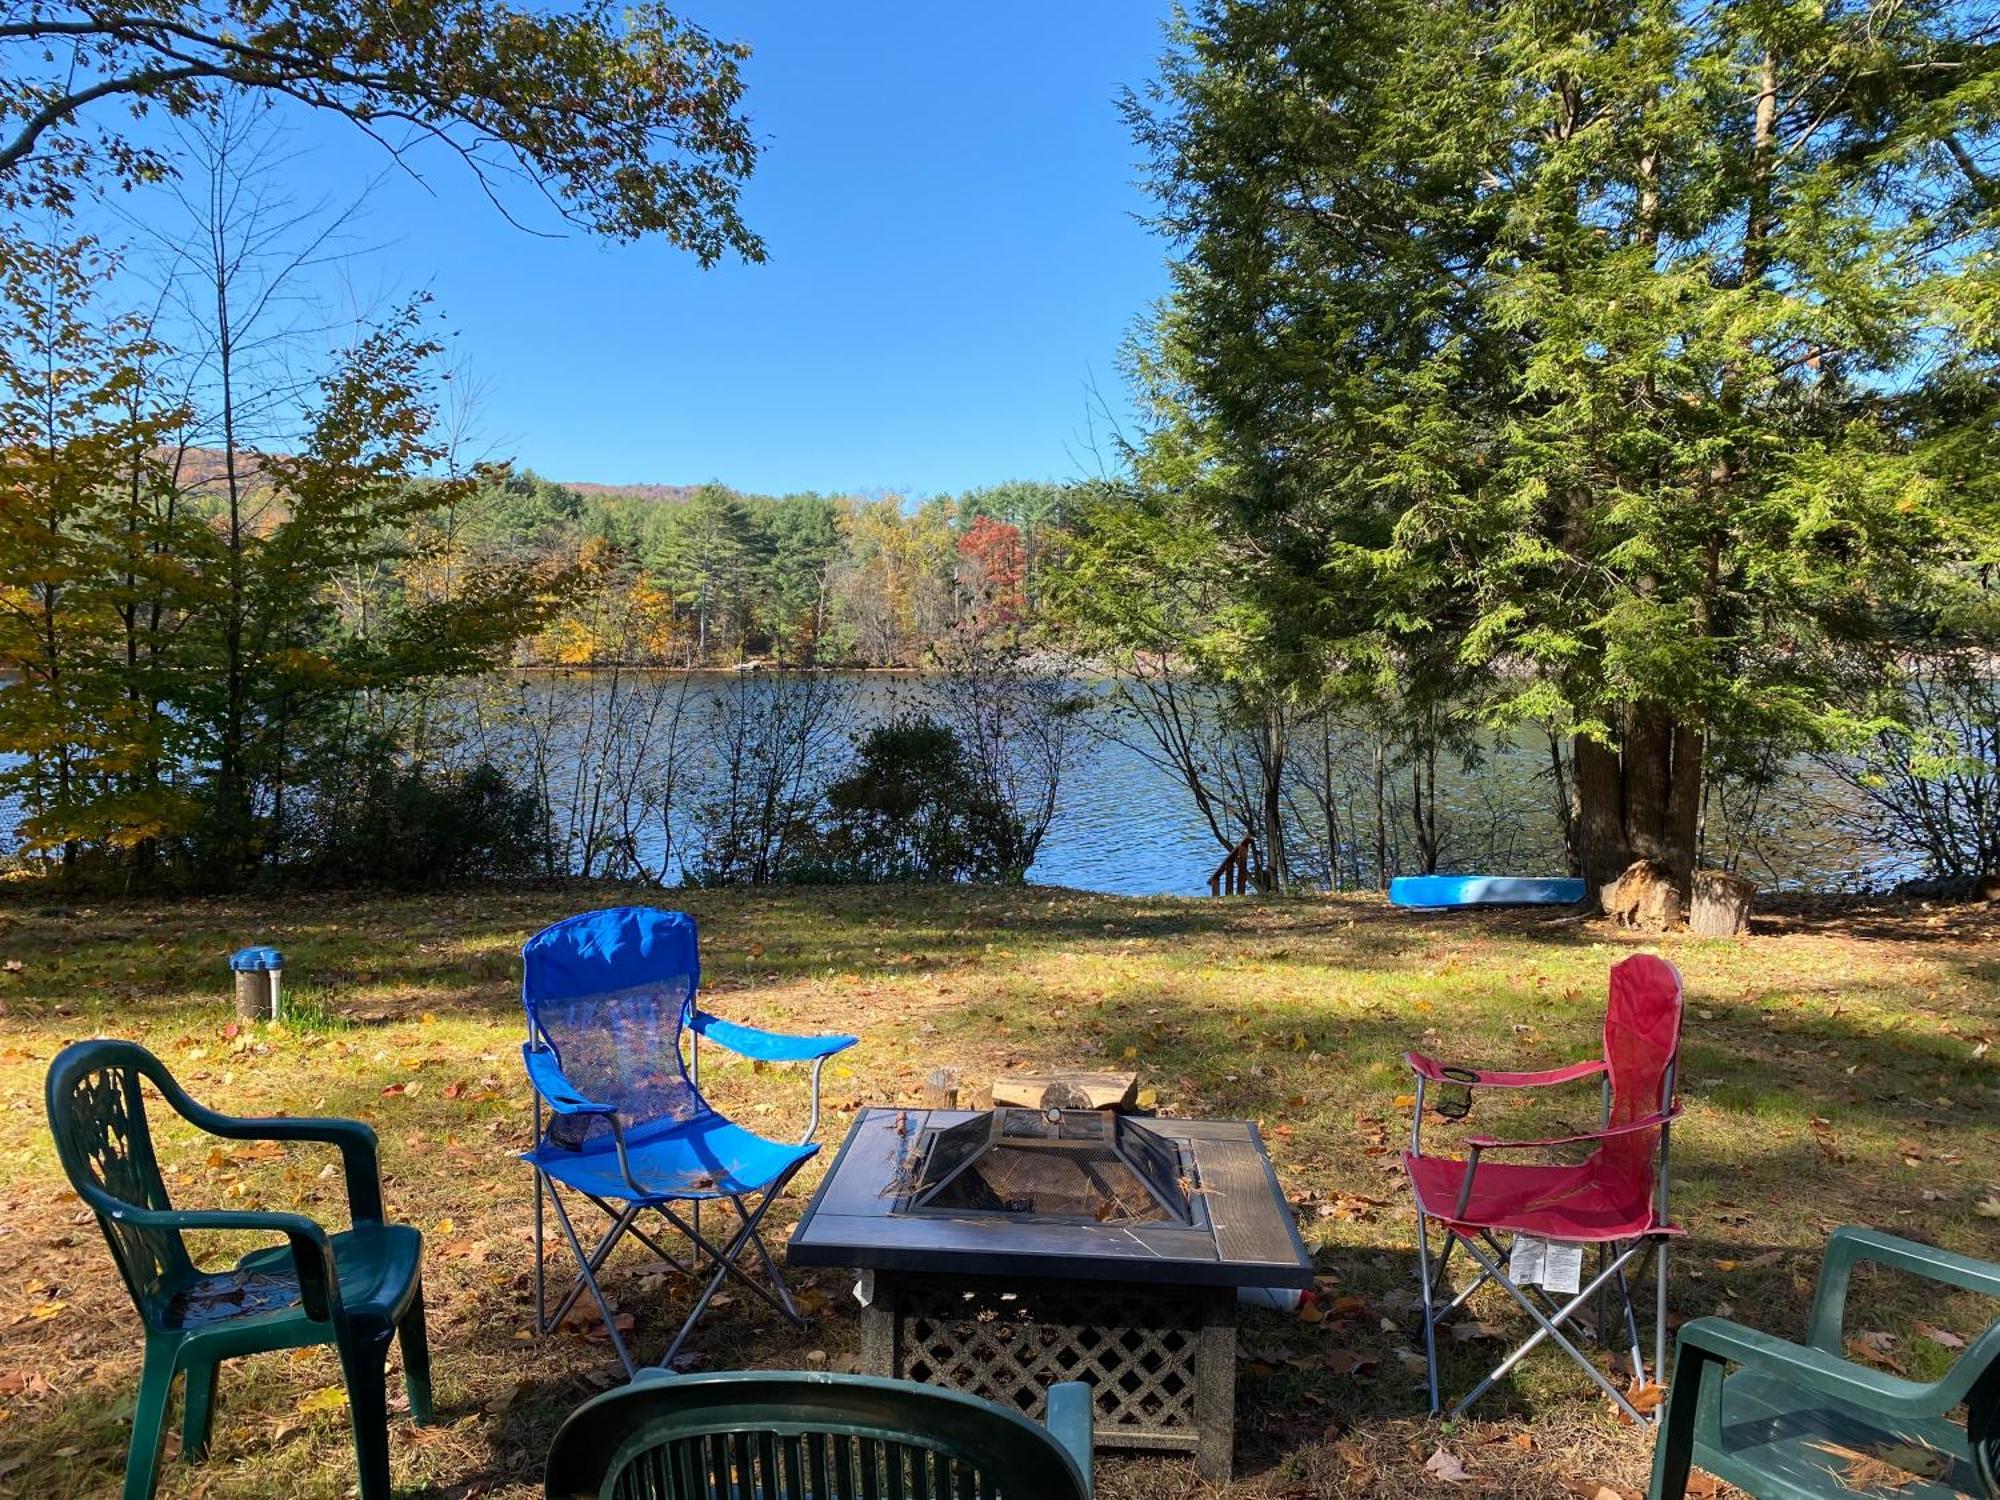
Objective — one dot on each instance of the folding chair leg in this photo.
(589, 1278)
(1631, 1329)
(770, 1267)
(1660, 1322)
(1428, 1294)
(725, 1266)
(620, 1222)
(541, 1313)
(1547, 1327)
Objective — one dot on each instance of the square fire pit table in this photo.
(1014, 1248)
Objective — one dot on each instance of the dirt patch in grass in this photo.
(1838, 1069)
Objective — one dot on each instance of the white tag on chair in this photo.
(1525, 1261)
(1562, 1266)
(1555, 1264)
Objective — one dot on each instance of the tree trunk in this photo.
(1565, 806)
(1381, 815)
(1277, 866)
(1720, 905)
(1640, 801)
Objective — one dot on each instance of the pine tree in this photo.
(1595, 351)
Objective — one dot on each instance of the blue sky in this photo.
(949, 201)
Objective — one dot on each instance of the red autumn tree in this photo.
(992, 568)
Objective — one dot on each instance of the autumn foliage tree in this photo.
(624, 120)
(181, 677)
(993, 569)
(81, 551)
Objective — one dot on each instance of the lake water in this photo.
(1128, 826)
(1124, 825)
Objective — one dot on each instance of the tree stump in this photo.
(941, 1088)
(1719, 905)
(1644, 897)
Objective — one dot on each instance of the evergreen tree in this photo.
(802, 541)
(1622, 356)
(708, 551)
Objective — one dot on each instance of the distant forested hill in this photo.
(708, 575)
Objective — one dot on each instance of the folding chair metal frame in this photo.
(1613, 1257)
(556, 1097)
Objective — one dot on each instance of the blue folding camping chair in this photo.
(621, 1122)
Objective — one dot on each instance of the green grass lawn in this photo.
(1836, 1069)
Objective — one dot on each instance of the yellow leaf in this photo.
(46, 1310)
(1148, 1099)
(326, 1400)
(1404, 1101)
(443, 1227)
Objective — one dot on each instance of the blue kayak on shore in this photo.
(1483, 890)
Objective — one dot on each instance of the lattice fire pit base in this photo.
(1162, 1364)
(1010, 1250)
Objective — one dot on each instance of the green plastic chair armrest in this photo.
(312, 1250)
(1853, 1244)
(1071, 1417)
(360, 1155)
(1815, 1369)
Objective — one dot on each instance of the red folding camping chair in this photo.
(1615, 1199)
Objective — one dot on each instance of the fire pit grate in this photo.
(1074, 1166)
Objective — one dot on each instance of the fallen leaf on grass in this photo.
(1876, 1347)
(1446, 1467)
(1645, 1396)
(325, 1400)
(1987, 1208)
(1471, 1329)
(1944, 1338)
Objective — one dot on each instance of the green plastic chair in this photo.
(1765, 1428)
(761, 1435)
(355, 1290)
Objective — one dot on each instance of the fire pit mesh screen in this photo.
(1136, 1350)
(1060, 1165)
